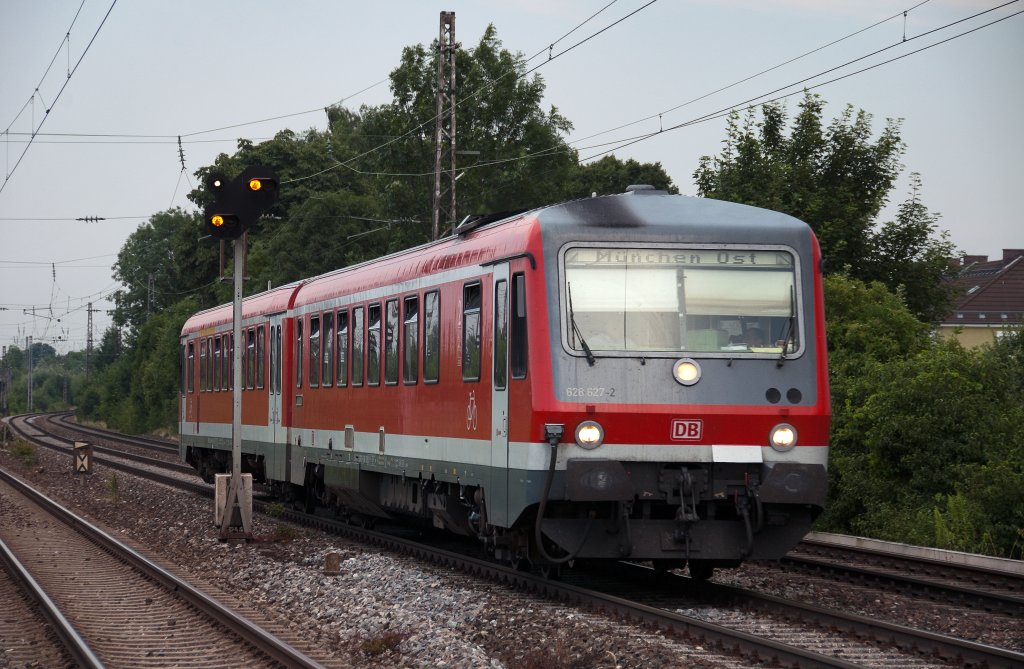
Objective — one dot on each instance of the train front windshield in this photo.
(727, 301)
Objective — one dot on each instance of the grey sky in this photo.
(191, 66)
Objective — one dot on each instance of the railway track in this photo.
(720, 617)
(991, 584)
(124, 609)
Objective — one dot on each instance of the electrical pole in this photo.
(88, 340)
(28, 349)
(444, 129)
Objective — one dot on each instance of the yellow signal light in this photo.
(216, 220)
(255, 184)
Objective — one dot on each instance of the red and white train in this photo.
(637, 376)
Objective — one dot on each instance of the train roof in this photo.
(620, 217)
(272, 301)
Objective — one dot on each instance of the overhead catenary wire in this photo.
(71, 73)
(751, 102)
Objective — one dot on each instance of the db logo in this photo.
(687, 429)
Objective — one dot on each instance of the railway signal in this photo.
(238, 203)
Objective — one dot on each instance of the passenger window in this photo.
(202, 366)
(276, 379)
(298, 352)
(275, 359)
(518, 358)
(216, 360)
(328, 357)
(431, 336)
(411, 345)
(250, 358)
(471, 332)
(373, 349)
(342, 348)
(391, 343)
(358, 347)
(314, 351)
(191, 367)
(500, 334)
(182, 361)
(230, 362)
(261, 351)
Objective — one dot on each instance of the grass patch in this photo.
(285, 533)
(24, 451)
(275, 510)
(115, 492)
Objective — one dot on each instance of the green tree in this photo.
(927, 439)
(160, 263)
(611, 175)
(910, 255)
(515, 155)
(836, 179)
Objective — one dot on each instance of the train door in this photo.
(497, 494)
(277, 433)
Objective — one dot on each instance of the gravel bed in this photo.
(384, 610)
(998, 630)
(381, 610)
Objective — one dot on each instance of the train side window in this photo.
(314, 351)
(250, 357)
(342, 349)
(373, 348)
(278, 373)
(275, 358)
(471, 332)
(358, 347)
(261, 352)
(328, 357)
(225, 361)
(182, 361)
(229, 361)
(217, 360)
(298, 352)
(391, 340)
(500, 334)
(202, 366)
(517, 352)
(431, 336)
(191, 367)
(410, 340)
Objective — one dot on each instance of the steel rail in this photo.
(77, 647)
(275, 648)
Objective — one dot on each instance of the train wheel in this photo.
(701, 570)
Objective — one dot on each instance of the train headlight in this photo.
(589, 434)
(686, 371)
(783, 437)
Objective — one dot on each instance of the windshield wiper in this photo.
(576, 328)
(789, 326)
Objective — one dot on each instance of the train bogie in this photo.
(639, 376)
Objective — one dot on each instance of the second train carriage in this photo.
(634, 376)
